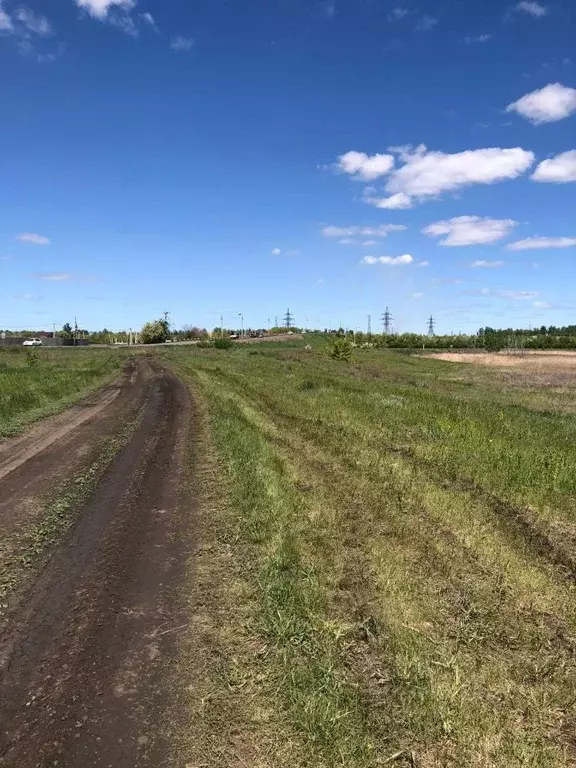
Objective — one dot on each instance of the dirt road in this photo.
(85, 661)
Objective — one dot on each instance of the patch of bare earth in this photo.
(85, 663)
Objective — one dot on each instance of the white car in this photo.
(32, 343)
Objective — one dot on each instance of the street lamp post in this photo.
(241, 325)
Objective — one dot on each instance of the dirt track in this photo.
(83, 665)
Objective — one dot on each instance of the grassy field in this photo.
(386, 574)
(35, 383)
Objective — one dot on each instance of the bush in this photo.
(154, 333)
(205, 344)
(341, 350)
(32, 358)
(223, 343)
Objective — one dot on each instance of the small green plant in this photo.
(223, 343)
(341, 350)
(32, 358)
(205, 344)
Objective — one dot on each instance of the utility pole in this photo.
(369, 325)
(275, 321)
(288, 319)
(241, 316)
(75, 331)
(53, 330)
(387, 322)
(431, 326)
(221, 326)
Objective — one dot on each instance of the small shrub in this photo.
(223, 343)
(32, 358)
(341, 350)
(307, 385)
(205, 344)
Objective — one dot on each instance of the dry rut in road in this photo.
(83, 665)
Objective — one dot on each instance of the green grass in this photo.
(394, 541)
(48, 380)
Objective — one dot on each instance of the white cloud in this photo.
(397, 13)
(389, 260)
(382, 230)
(517, 295)
(426, 23)
(470, 230)
(470, 40)
(417, 295)
(29, 237)
(559, 169)
(398, 202)
(348, 241)
(547, 105)
(363, 166)
(6, 24)
(149, 19)
(100, 8)
(370, 243)
(538, 243)
(532, 8)
(180, 43)
(276, 252)
(483, 264)
(541, 305)
(423, 264)
(39, 25)
(427, 174)
(55, 277)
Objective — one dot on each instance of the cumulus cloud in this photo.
(532, 8)
(39, 25)
(100, 9)
(559, 169)
(180, 43)
(424, 174)
(426, 23)
(382, 230)
(423, 264)
(470, 40)
(470, 230)
(389, 260)
(539, 243)
(276, 252)
(541, 305)
(147, 18)
(6, 24)
(482, 264)
(398, 13)
(546, 105)
(398, 202)
(428, 174)
(30, 237)
(363, 166)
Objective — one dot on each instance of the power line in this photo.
(387, 322)
(431, 326)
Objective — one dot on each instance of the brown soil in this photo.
(84, 663)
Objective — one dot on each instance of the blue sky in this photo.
(243, 156)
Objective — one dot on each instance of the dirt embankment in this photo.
(83, 664)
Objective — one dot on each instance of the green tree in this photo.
(155, 332)
(67, 332)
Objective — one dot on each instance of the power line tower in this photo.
(288, 319)
(387, 322)
(431, 326)
(369, 325)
